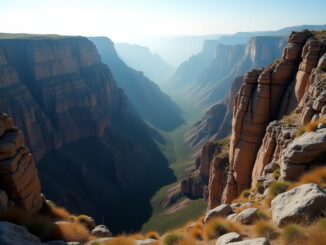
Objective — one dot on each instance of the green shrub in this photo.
(276, 174)
(259, 187)
(265, 229)
(278, 188)
(245, 193)
(172, 238)
(292, 234)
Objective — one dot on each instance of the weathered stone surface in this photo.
(221, 210)
(145, 242)
(301, 205)
(232, 217)
(228, 238)
(101, 231)
(306, 148)
(247, 216)
(18, 174)
(256, 241)
(11, 234)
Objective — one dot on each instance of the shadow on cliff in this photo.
(111, 178)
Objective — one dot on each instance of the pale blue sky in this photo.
(123, 19)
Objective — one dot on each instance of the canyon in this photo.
(79, 128)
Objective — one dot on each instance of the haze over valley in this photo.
(162, 123)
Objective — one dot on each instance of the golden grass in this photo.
(87, 221)
(265, 229)
(316, 176)
(311, 126)
(152, 235)
(292, 234)
(196, 234)
(245, 193)
(137, 236)
(218, 227)
(72, 232)
(60, 213)
(186, 241)
(173, 238)
(120, 240)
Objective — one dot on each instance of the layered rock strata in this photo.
(18, 174)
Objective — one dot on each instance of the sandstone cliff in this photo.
(18, 175)
(291, 91)
(77, 123)
(258, 52)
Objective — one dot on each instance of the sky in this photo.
(126, 19)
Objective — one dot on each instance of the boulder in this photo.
(232, 217)
(221, 210)
(303, 204)
(306, 148)
(247, 216)
(11, 234)
(256, 241)
(228, 238)
(101, 231)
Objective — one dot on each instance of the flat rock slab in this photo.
(247, 216)
(256, 241)
(301, 205)
(222, 210)
(228, 238)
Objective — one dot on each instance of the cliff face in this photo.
(144, 95)
(268, 110)
(77, 123)
(19, 181)
(56, 90)
(258, 52)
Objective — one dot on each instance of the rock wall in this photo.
(272, 104)
(57, 90)
(256, 106)
(18, 174)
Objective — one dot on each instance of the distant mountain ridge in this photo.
(142, 59)
(153, 105)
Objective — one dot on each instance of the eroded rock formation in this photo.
(18, 174)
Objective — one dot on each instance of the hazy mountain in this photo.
(192, 77)
(153, 105)
(142, 59)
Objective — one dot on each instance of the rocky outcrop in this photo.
(256, 241)
(18, 174)
(216, 124)
(228, 238)
(256, 105)
(303, 204)
(51, 85)
(267, 113)
(12, 234)
(222, 210)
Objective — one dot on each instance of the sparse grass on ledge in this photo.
(277, 188)
(316, 176)
(218, 227)
(310, 127)
(292, 234)
(265, 229)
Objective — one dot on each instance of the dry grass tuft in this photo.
(72, 232)
(87, 221)
(186, 241)
(173, 238)
(121, 240)
(277, 188)
(276, 174)
(218, 227)
(292, 234)
(59, 213)
(315, 235)
(196, 234)
(317, 176)
(311, 126)
(245, 193)
(265, 229)
(152, 235)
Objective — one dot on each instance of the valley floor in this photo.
(180, 158)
